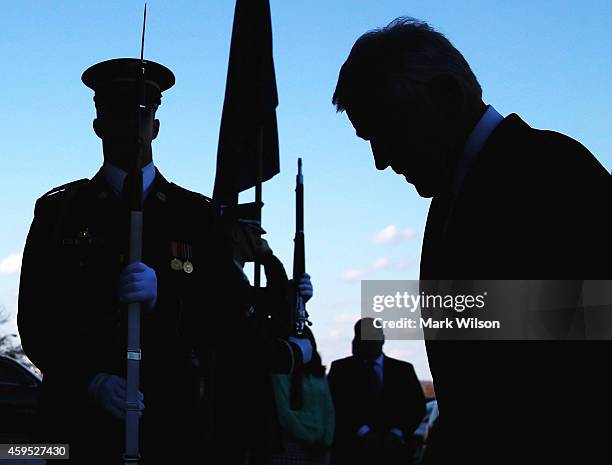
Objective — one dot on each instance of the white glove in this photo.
(138, 283)
(109, 392)
(305, 287)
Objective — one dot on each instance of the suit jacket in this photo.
(72, 325)
(401, 405)
(535, 206)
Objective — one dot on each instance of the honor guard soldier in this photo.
(243, 413)
(75, 282)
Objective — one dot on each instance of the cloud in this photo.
(347, 318)
(11, 263)
(343, 332)
(408, 234)
(403, 264)
(385, 236)
(352, 275)
(340, 304)
(4, 314)
(381, 264)
(393, 235)
(334, 335)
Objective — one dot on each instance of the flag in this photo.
(249, 106)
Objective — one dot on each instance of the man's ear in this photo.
(447, 95)
(97, 127)
(155, 128)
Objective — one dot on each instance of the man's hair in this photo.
(365, 329)
(406, 50)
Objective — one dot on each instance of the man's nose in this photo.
(381, 164)
(381, 160)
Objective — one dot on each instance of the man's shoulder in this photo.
(570, 154)
(551, 148)
(394, 362)
(546, 162)
(342, 363)
(186, 200)
(51, 199)
(180, 193)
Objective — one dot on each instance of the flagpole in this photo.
(258, 192)
(132, 408)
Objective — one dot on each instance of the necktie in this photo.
(374, 381)
(131, 185)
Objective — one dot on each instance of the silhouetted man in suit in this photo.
(378, 402)
(509, 202)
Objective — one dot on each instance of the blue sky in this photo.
(548, 61)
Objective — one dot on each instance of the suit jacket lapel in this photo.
(433, 239)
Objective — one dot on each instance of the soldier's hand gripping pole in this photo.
(134, 184)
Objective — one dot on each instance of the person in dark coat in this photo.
(308, 432)
(75, 281)
(510, 202)
(378, 402)
(257, 343)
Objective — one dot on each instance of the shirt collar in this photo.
(115, 176)
(474, 144)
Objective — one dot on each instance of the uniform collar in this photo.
(474, 144)
(102, 188)
(115, 177)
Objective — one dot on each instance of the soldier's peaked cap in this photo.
(122, 74)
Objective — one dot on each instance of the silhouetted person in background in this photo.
(509, 202)
(75, 281)
(378, 401)
(307, 433)
(251, 347)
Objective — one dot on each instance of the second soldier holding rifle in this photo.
(256, 344)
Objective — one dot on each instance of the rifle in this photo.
(132, 414)
(299, 317)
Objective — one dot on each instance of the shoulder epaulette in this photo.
(57, 192)
(194, 194)
(65, 187)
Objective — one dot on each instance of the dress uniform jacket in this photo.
(72, 325)
(534, 206)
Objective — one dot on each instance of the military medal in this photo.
(175, 263)
(187, 265)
